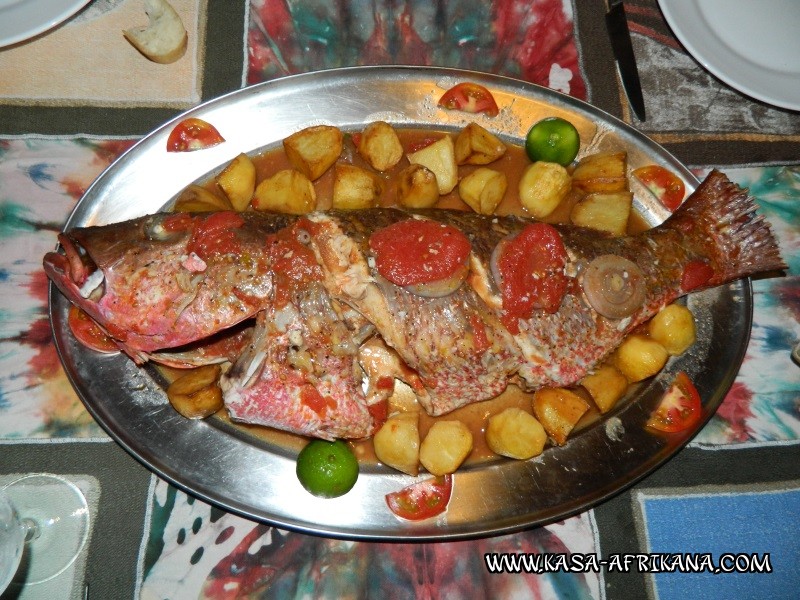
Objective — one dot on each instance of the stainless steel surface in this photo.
(796, 354)
(617, 25)
(243, 474)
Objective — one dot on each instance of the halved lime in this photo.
(553, 140)
(327, 469)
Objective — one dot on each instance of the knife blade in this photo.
(620, 35)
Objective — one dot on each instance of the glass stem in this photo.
(32, 530)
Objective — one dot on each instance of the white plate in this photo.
(752, 46)
(23, 19)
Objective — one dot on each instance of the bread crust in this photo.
(164, 39)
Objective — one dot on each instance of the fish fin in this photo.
(721, 216)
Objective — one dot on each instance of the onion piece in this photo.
(155, 231)
(494, 261)
(441, 287)
(614, 286)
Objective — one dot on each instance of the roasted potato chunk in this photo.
(602, 172)
(542, 187)
(396, 443)
(313, 150)
(354, 187)
(606, 386)
(288, 191)
(558, 410)
(640, 357)
(198, 199)
(417, 187)
(607, 212)
(673, 327)
(446, 446)
(516, 434)
(196, 394)
(238, 181)
(439, 158)
(380, 146)
(483, 189)
(476, 146)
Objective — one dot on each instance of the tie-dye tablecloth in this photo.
(74, 99)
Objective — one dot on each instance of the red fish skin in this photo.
(150, 300)
(717, 225)
(436, 337)
(224, 346)
(315, 393)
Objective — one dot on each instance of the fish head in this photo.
(164, 280)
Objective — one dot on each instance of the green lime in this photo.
(553, 140)
(327, 469)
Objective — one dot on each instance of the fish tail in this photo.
(720, 218)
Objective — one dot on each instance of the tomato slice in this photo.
(695, 274)
(471, 98)
(418, 251)
(422, 500)
(680, 408)
(215, 234)
(193, 134)
(531, 268)
(663, 183)
(89, 333)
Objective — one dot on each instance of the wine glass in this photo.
(44, 524)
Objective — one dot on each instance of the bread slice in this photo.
(164, 39)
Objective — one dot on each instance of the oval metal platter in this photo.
(224, 465)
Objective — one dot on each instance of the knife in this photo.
(617, 25)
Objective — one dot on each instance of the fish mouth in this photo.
(74, 271)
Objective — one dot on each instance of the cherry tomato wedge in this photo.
(663, 183)
(680, 408)
(471, 98)
(422, 500)
(87, 332)
(193, 134)
(417, 251)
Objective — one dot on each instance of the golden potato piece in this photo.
(238, 181)
(640, 357)
(380, 146)
(313, 150)
(198, 199)
(606, 386)
(417, 187)
(602, 172)
(542, 187)
(673, 327)
(354, 187)
(196, 394)
(483, 189)
(558, 410)
(396, 443)
(288, 191)
(516, 434)
(439, 158)
(477, 146)
(607, 212)
(446, 446)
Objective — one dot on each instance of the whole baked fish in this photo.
(518, 301)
